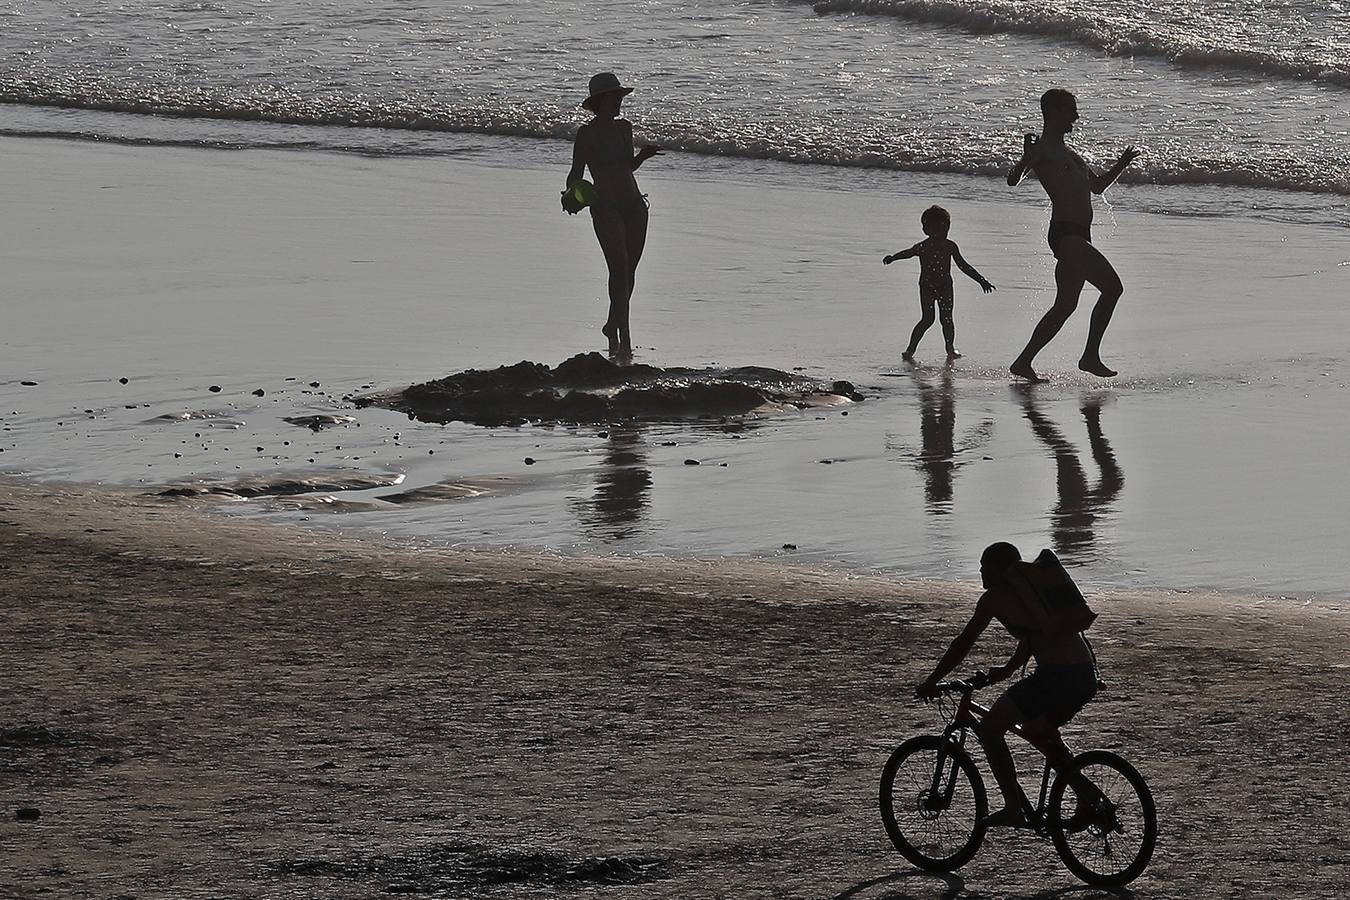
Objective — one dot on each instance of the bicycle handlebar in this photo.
(962, 685)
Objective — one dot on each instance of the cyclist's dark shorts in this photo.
(1056, 692)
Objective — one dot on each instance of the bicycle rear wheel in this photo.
(1105, 840)
(938, 830)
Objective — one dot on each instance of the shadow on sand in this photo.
(916, 884)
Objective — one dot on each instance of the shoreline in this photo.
(222, 706)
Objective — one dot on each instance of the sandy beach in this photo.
(205, 707)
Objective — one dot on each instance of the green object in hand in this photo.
(579, 195)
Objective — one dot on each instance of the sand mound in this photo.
(588, 388)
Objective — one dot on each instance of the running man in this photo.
(1070, 184)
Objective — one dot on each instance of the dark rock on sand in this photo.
(27, 814)
(846, 389)
(320, 421)
(590, 388)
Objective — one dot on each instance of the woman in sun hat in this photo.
(619, 210)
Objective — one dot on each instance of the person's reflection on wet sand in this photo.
(1074, 518)
(622, 487)
(938, 456)
(937, 432)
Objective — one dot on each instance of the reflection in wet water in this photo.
(939, 455)
(1075, 516)
(622, 488)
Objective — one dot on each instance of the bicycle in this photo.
(933, 802)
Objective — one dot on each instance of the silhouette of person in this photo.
(936, 254)
(1070, 184)
(622, 486)
(619, 213)
(1078, 508)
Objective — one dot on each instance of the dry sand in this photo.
(203, 706)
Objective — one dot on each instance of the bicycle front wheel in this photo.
(1107, 838)
(933, 803)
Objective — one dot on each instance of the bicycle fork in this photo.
(943, 785)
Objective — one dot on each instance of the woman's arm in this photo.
(579, 157)
(646, 153)
(1103, 181)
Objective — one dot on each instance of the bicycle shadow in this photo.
(953, 887)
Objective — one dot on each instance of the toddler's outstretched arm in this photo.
(903, 254)
(970, 270)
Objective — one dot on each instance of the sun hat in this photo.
(604, 83)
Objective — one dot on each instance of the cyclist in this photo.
(1064, 681)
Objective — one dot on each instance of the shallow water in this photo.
(1230, 96)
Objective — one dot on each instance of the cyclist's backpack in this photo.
(1050, 596)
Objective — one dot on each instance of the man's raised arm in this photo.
(1103, 181)
(1019, 169)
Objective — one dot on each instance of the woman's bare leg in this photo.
(635, 234)
(609, 231)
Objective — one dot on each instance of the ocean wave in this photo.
(97, 137)
(1115, 39)
(340, 118)
(282, 109)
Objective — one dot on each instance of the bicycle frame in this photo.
(968, 715)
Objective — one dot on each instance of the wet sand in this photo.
(290, 281)
(203, 706)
